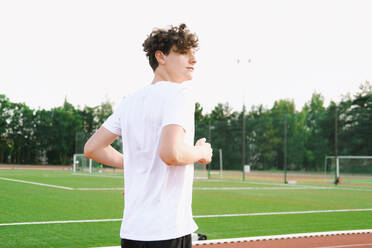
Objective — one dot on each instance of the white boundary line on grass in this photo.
(120, 177)
(276, 237)
(40, 184)
(98, 189)
(292, 186)
(58, 187)
(58, 222)
(254, 188)
(282, 187)
(196, 217)
(283, 213)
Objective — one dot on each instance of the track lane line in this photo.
(342, 246)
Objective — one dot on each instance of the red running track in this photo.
(330, 241)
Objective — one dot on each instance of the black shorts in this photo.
(182, 242)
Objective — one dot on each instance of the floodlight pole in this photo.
(221, 164)
(243, 128)
(337, 174)
(243, 141)
(210, 141)
(285, 149)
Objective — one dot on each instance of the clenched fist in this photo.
(206, 151)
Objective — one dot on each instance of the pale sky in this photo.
(90, 51)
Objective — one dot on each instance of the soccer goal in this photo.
(353, 169)
(217, 172)
(84, 164)
(200, 171)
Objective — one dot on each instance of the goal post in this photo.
(84, 164)
(348, 165)
(218, 171)
(200, 171)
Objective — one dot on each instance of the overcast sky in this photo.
(91, 51)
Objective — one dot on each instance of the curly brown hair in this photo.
(163, 40)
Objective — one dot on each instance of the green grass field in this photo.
(83, 200)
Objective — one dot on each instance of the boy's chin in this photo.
(188, 78)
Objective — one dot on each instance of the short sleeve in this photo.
(113, 123)
(180, 109)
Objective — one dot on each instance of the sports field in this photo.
(45, 208)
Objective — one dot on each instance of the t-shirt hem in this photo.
(111, 129)
(158, 237)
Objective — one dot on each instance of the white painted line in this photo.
(285, 236)
(283, 213)
(275, 237)
(283, 187)
(317, 187)
(291, 186)
(251, 188)
(97, 189)
(59, 187)
(58, 222)
(280, 188)
(342, 246)
(40, 184)
(121, 177)
(196, 217)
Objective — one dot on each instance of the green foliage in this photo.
(310, 132)
(46, 136)
(53, 136)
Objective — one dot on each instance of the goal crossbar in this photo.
(337, 172)
(351, 157)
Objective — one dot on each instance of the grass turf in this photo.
(22, 202)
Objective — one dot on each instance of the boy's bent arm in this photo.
(174, 151)
(99, 148)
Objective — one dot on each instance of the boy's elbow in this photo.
(88, 150)
(169, 157)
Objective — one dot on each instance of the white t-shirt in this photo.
(157, 196)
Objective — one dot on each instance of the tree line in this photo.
(42, 136)
(269, 138)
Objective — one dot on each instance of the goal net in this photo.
(84, 164)
(200, 171)
(349, 169)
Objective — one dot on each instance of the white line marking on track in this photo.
(285, 236)
(275, 237)
(40, 184)
(196, 217)
(342, 246)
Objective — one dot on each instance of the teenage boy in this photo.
(157, 128)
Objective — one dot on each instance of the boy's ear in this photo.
(160, 57)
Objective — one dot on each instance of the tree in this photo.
(315, 143)
(21, 133)
(4, 119)
(357, 119)
(198, 112)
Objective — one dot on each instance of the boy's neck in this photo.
(161, 75)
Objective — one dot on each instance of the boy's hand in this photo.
(206, 150)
